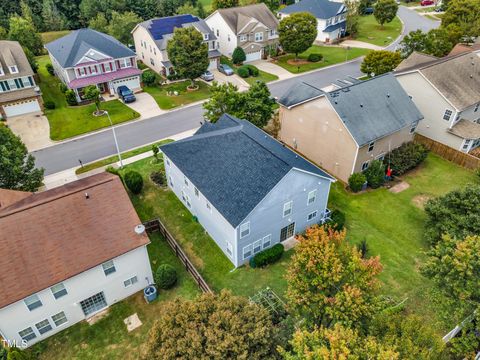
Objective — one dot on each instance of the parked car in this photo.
(224, 68)
(125, 94)
(427, 2)
(207, 76)
(368, 11)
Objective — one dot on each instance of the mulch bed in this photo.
(298, 62)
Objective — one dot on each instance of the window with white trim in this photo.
(33, 302)
(257, 246)
(247, 251)
(196, 192)
(185, 181)
(312, 196)
(168, 162)
(413, 127)
(259, 36)
(476, 107)
(287, 208)
(27, 334)
(218, 32)
(371, 146)
(447, 115)
(267, 240)
(59, 319)
(272, 32)
(43, 326)
(244, 230)
(13, 69)
(205, 36)
(108, 67)
(466, 144)
(130, 282)
(243, 38)
(312, 215)
(171, 181)
(108, 267)
(380, 157)
(229, 249)
(209, 207)
(58, 291)
(365, 165)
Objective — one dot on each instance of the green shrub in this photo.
(50, 68)
(375, 174)
(268, 256)
(159, 177)
(166, 276)
(314, 57)
(238, 56)
(243, 71)
(148, 77)
(134, 181)
(337, 220)
(356, 181)
(406, 157)
(49, 104)
(70, 97)
(478, 173)
(252, 70)
(62, 87)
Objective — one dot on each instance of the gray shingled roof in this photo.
(369, 109)
(69, 49)
(238, 17)
(321, 9)
(234, 165)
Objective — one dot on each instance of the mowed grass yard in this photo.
(68, 121)
(331, 55)
(262, 75)
(50, 36)
(166, 100)
(371, 32)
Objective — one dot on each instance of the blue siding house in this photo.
(247, 190)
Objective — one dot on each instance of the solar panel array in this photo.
(164, 26)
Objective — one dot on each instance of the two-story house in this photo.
(447, 92)
(247, 190)
(343, 129)
(67, 254)
(18, 92)
(151, 38)
(331, 17)
(252, 27)
(87, 57)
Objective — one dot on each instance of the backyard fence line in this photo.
(463, 159)
(156, 225)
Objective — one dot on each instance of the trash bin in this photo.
(150, 293)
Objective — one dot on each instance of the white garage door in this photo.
(132, 83)
(213, 64)
(21, 108)
(253, 56)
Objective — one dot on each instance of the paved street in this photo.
(99, 145)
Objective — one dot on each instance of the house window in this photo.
(259, 36)
(413, 128)
(287, 208)
(187, 200)
(272, 32)
(59, 319)
(171, 181)
(196, 192)
(229, 249)
(108, 267)
(365, 165)
(185, 181)
(228, 37)
(130, 282)
(27, 334)
(205, 36)
(447, 115)
(209, 207)
(218, 32)
(312, 195)
(476, 107)
(380, 157)
(13, 69)
(33, 302)
(107, 67)
(58, 291)
(168, 162)
(152, 62)
(247, 251)
(312, 215)
(244, 230)
(243, 37)
(93, 69)
(466, 144)
(43, 326)
(257, 246)
(329, 22)
(267, 240)
(124, 63)
(371, 146)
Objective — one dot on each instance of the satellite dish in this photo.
(139, 229)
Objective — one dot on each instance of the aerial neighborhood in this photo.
(226, 179)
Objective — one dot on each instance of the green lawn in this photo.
(108, 338)
(161, 94)
(68, 121)
(262, 75)
(331, 55)
(53, 35)
(371, 32)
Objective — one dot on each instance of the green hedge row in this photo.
(268, 256)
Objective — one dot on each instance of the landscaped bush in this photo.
(268, 256)
(314, 57)
(173, 76)
(166, 276)
(134, 181)
(49, 68)
(406, 157)
(337, 220)
(252, 70)
(243, 71)
(63, 88)
(375, 174)
(159, 177)
(238, 56)
(70, 97)
(49, 105)
(356, 181)
(148, 77)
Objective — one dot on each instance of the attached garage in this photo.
(257, 55)
(213, 64)
(131, 82)
(21, 107)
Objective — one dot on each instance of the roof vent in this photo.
(87, 196)
(139, 229)
(361, 105)
(388, 95)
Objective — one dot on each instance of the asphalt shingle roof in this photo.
(234, 165)
(321, 9)
(238, 17)
(69, 49)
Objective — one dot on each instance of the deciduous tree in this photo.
(53, 20)
(464, 14)
(379, 62)
(92, 93)
(297, 32)
(223, 4)
(121, 26)
(258, 104)
(99, 23)
(353, 16)
(225, 98)
(24, 32)
(385, 11)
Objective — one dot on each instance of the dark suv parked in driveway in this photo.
(125, 94)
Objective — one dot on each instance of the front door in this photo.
(93, 304)
(102, 88)
(287, 232)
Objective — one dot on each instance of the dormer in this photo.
(10, 62)
(13, 69)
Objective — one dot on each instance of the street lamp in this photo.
(115, 138)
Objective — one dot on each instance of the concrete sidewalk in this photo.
(360, 44)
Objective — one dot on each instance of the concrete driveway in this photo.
(146, 106)
(33, 129)
(272, 68)
(233, 79)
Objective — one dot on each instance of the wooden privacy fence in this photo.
(463, 159)
(156, 225)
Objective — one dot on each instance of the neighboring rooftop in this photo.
(237, 18)
(70, 49)
(370, 109)
(321, 9)
(234, 165)
(54, 235)
(455, 77)
(11, 54)
(466, 129)
(414, 60)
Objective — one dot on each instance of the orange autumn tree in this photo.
(329, 282)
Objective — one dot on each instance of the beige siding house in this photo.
(344, 129)
(447, 92)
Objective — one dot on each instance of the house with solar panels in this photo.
(151, 38)
(246, 189)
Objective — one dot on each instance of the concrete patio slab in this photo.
(33, 129)
(274, 69)
(132, 322)
(290, 243)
